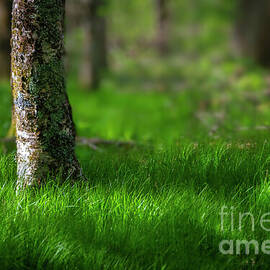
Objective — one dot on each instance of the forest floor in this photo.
(154, 204)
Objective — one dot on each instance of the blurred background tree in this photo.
(253, 22)
(163, 30)
(5, 26)
(95, 52)
(90, 17)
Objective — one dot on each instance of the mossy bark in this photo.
(162, 35)
(95, 56)
(5, 21)
(44, 125)
(253, 22)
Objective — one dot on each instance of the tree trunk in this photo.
(252, 28)
(162, 37)
(5, 36)
(44, 125)
(95, 60)
(5, 22)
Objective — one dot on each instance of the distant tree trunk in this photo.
(5, 36)
(95, 56)
(162, 35)
(44, 126)
(5, 23)
(252, 28)
(75, 12)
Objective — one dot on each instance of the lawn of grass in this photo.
(139, 210)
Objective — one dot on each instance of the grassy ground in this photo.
(155, 206)
(200, 121)
(140, 210)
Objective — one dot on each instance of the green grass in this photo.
(140, 210)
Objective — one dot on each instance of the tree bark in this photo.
(95, 56)
(252, 28)
(5, 22)
(44, 126)
(162, 37)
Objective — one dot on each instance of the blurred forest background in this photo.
(160, 70)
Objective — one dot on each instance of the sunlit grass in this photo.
(150, 210)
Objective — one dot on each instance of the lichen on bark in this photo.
(44, 125)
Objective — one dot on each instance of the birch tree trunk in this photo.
(44, 125)
(5, 21)
(95, 56)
